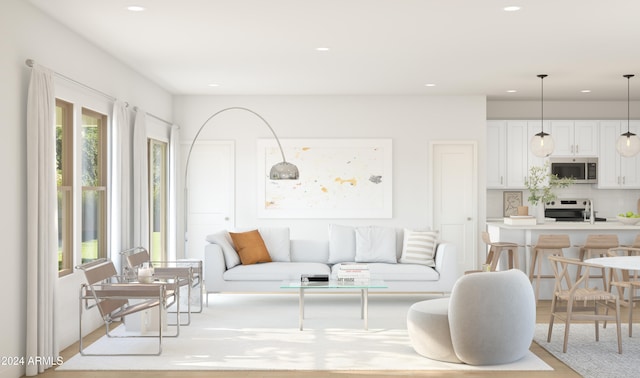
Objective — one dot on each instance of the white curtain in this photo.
(120, 181)
(42, 235)
(174, 139)
(140, 197)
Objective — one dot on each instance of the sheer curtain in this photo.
(174, 139)
(42, 235)
(140, 197)
(120, 181)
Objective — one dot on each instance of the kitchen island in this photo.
(527, 235)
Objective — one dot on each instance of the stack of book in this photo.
(520, 220)
(353, 273)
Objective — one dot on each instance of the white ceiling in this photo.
(377, 47)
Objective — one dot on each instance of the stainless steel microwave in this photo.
(584, 170)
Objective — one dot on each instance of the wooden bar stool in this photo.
(596, 245)
(549, 244)
(496, 249)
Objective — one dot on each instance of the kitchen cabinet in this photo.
(496, 154)
(575, 138)
(614, 170)
(508, 156)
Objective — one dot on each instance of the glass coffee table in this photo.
(335, 286)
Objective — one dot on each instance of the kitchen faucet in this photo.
(592, 218)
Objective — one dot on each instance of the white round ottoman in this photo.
(428, 327)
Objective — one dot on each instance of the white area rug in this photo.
(590, 358)
(260, 332)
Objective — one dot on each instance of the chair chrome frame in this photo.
(110, 294)
(189, 273)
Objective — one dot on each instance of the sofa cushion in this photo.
(375, 244)
(223, 239)
(342, 243)
(277, 241)
(250, 247)
(419, 247)
(397, 272)
(274, 271)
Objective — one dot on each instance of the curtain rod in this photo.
(31, 62)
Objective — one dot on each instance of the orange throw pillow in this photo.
(250, 247)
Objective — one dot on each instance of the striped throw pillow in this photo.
(419, 247)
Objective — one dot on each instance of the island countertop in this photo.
(557, 226)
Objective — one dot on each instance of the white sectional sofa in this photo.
(386, 251)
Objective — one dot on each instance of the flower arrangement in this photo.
(541, 183)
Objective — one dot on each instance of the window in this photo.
(94, 186)
(64, 182)
(158, 199)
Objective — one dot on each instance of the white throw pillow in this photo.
(277, 241)
(222, 238)
(376, 244)
(342, 243)
(419, 247)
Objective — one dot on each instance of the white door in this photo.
(455, 198)
(210, 193)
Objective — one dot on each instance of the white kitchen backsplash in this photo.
(607, 202)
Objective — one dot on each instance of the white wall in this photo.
(28, 33)
(608, 202)
(410, 121)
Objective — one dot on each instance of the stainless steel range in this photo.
(570, 210)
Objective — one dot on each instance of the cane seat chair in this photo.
(582, 302)
(188, 272)
(116, 298)
(626, 282)
(546, 244)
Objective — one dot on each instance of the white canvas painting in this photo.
(339, 178)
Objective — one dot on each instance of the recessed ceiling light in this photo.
(511, 91)
(214, 85)
(322, 49)
(512, 8)
(586, 91)
(135, 8)
(429, 85)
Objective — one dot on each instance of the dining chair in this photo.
(115, 298)
(581, 301)
(626, 282)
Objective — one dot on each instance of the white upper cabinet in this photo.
(614, 170)
(517, 153)
(496, 154)
(575, 138)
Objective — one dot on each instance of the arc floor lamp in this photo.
(280, 171)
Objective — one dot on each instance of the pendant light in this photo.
(542, 144)
(628, 144)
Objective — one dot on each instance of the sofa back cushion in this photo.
(307, 250)
(375, 244)
(342, 243)
(277, 241)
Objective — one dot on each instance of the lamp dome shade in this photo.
(542, 144)
(284, 171)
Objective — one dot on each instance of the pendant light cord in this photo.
(542, 76)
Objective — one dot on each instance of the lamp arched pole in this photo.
(281, 171)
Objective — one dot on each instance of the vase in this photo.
(540, 213)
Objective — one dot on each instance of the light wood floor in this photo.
(560, 369)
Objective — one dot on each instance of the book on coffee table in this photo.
(314, 278)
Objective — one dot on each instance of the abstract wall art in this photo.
(339, 178)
